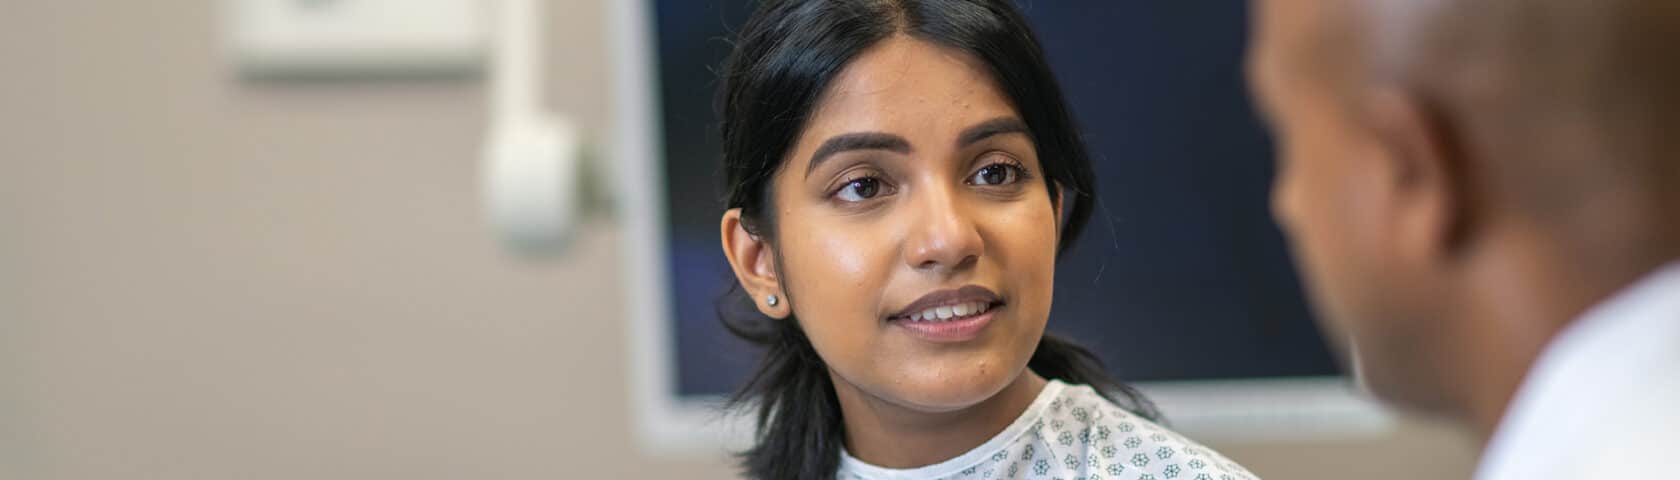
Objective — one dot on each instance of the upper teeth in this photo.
(947, 312)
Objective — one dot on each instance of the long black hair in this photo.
(784, 57)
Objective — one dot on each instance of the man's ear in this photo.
(1425, 171)
(754, 262)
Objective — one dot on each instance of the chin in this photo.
(954, 384)
(1395, 393)
(1406, 382)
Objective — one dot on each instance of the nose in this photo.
(943, 236)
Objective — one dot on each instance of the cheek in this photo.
(1020, 255)
(1309, 201)
(838, 257)
(834, 274)
(1031, 262)
(1023, 244)
(1330, 202)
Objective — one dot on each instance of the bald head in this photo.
(1562, 98)
(1459, 179)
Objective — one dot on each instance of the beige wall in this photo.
(208, 278)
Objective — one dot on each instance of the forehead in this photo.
(1285, 30)
(1304, 43)
(904, 85)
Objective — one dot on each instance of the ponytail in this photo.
(799, 429)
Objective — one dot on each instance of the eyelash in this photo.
(881, 184)
(885, 188)
(1010, 163)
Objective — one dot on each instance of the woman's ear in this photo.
(754, 262)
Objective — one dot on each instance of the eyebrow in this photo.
(894, 143)
(857, 141)
(991, 128)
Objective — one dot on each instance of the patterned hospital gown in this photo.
(1071, 433)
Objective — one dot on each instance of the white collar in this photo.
(1603, 360)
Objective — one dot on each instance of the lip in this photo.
(949, 331)
(940, 298)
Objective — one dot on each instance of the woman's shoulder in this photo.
(1086, 435)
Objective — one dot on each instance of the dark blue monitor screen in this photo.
(1181, 274)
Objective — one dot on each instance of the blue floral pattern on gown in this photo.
(1071, 433)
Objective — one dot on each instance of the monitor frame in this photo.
(665, 423)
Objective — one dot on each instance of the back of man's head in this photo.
(1461, 178)
(1565, 99)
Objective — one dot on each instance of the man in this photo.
(1484, 199)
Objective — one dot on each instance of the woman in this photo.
(902, 176)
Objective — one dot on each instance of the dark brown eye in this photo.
(996, 174)
(860, 189)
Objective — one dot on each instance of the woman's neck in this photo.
(895, 436)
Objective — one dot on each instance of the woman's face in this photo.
(915, 191)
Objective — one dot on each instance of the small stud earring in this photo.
(771, 300)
